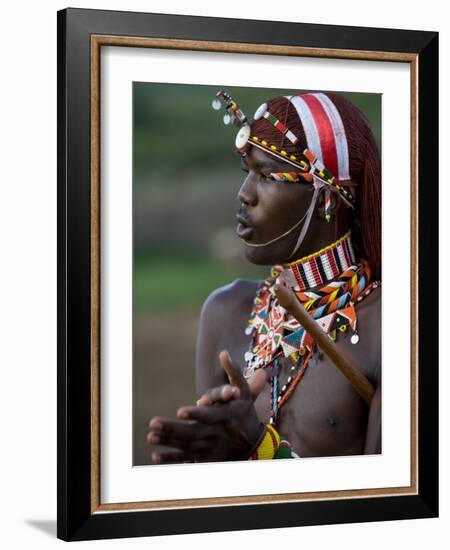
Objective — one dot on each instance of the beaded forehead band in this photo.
(325, 136)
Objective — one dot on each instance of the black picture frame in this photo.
(78, 518)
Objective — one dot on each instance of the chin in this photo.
(264, 256)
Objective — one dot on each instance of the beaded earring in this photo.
(327, 205)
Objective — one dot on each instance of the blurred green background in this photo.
(186, 177)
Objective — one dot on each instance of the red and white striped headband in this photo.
(324, 130)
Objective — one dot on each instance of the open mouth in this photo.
(243, 232)
(243, 229)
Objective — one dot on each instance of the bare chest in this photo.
(323, 415)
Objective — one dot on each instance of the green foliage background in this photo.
(185, 184)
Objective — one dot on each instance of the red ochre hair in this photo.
(364, 165)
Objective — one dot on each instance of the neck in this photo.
(320, 234)
(320, 266)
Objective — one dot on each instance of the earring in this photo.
(327, 205)
(327, 208)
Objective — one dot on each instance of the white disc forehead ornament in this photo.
(242, 136)
(260, 111)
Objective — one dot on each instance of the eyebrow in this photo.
(260, 164)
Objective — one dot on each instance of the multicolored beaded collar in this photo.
(322, 266)
(279, 342)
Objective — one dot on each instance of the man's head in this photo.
(308, 156)
(272, 213)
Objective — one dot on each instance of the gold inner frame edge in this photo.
(264, 49)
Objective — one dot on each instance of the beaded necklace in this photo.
(279, 342)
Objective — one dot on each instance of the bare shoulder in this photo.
(369, 327)
(228, 299)
(226, 310)
(222, 320)
(369, 310)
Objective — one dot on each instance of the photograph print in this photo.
(256, 274)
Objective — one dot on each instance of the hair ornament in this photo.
(235, 116)
(260, 111)
(310, 166)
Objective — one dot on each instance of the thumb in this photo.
(257, 382)
(234, 374)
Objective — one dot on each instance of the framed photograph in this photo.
(247, 312)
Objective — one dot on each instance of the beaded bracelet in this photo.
(268, 446)
(285, 450)
(271, 446)
(257, 442)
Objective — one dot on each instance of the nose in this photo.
(247, 193)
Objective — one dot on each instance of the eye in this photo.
(265, 177)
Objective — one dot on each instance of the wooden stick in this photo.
(289, 301)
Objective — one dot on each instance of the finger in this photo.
(220, 394)
(180, 429)
(235, 376)
(223, 393)
(257, 382)
(168, 457)
(161, 438)
(188, 446)
(176, 429)
(167, 440)
(205, 415)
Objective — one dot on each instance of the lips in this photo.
(244, 228)
(243, 232)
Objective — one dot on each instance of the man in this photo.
(310, 206)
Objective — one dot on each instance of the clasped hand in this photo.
(223, 425)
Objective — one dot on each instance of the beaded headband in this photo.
(325, 135)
